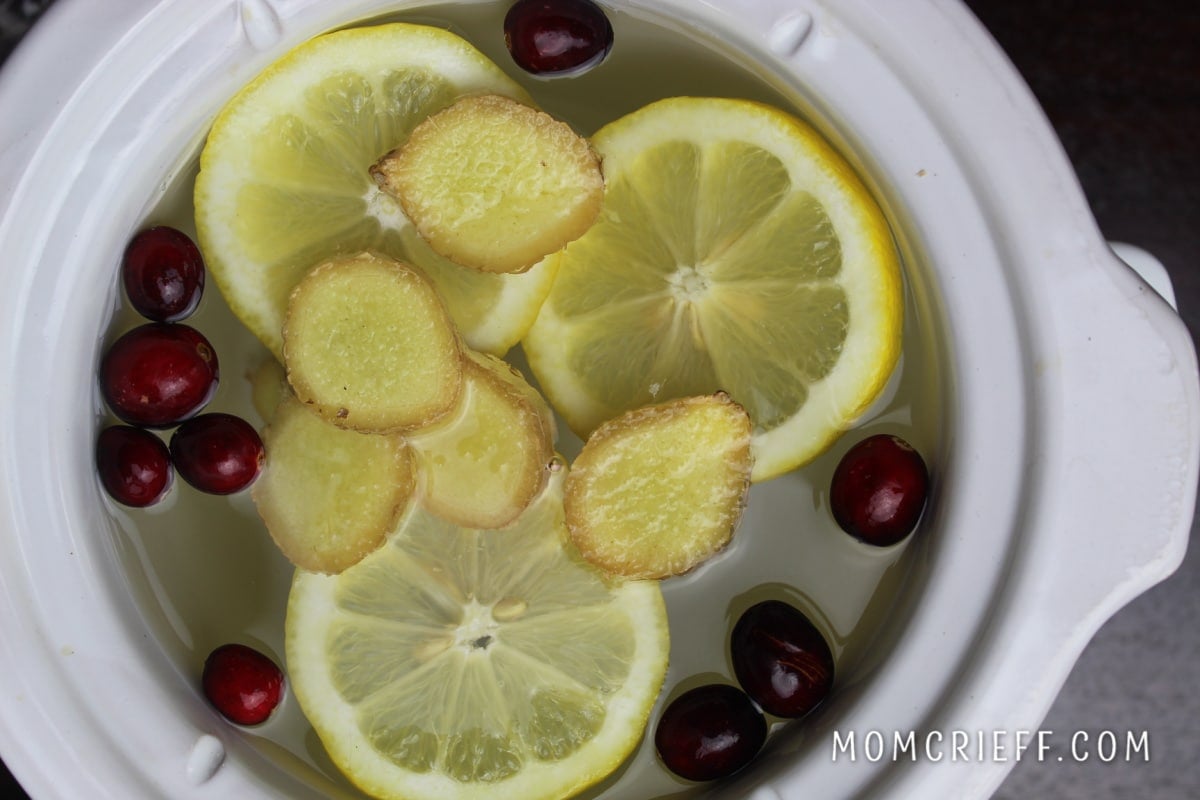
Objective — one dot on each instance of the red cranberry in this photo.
(781, 659)
(242, 683)
(134, 466)
(709, 732)
(163, 274)
(879, 489)
(557, 37)
(159, 374)
(217, 453)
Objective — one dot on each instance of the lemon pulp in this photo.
(458, 663)
(284, 177)
(735, 251)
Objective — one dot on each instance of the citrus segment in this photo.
(735, 251)
(494, 184)
(284, 177)
(456, 663)
(660, 489)
(491, 310)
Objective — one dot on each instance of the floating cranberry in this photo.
(217, 453)
(163, 274)
(242, 683)
(709, 732)
(134, 465)
(159, 374)
(879, 490)
(781, 659)
(557, 37)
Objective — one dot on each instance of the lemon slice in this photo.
(456, 663)
(735, 251)
(284, 177)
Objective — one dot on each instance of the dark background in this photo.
(1120, 81)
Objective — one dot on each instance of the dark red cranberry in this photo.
(242, 683)
(217, 453)
(163, 274)
(781, 659)
(709, 732)
(879, 490)
(134, 466)
(159, 374)
(557, 37)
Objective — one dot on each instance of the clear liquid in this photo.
(205, 572)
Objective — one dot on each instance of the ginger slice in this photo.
(369, 345)
(660, 489)
(330, 496)
(268, 386)
(482, 465)
(493, 184)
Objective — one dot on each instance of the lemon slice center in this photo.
(384, 209)
(478, 629)
(730, 290)
(687, 284)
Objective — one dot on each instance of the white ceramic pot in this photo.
(1063, 426)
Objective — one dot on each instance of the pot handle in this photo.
(1128, 412)
(1148, 268)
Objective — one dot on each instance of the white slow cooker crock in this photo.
(1067, 468)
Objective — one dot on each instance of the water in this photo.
(205, 572)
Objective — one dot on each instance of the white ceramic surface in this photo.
(1066, 474)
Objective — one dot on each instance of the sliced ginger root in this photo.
(368, 343)
(330, 496)
(478, 466)
(483, 464)
(493, 184)
(268, 386)
(660, 489)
